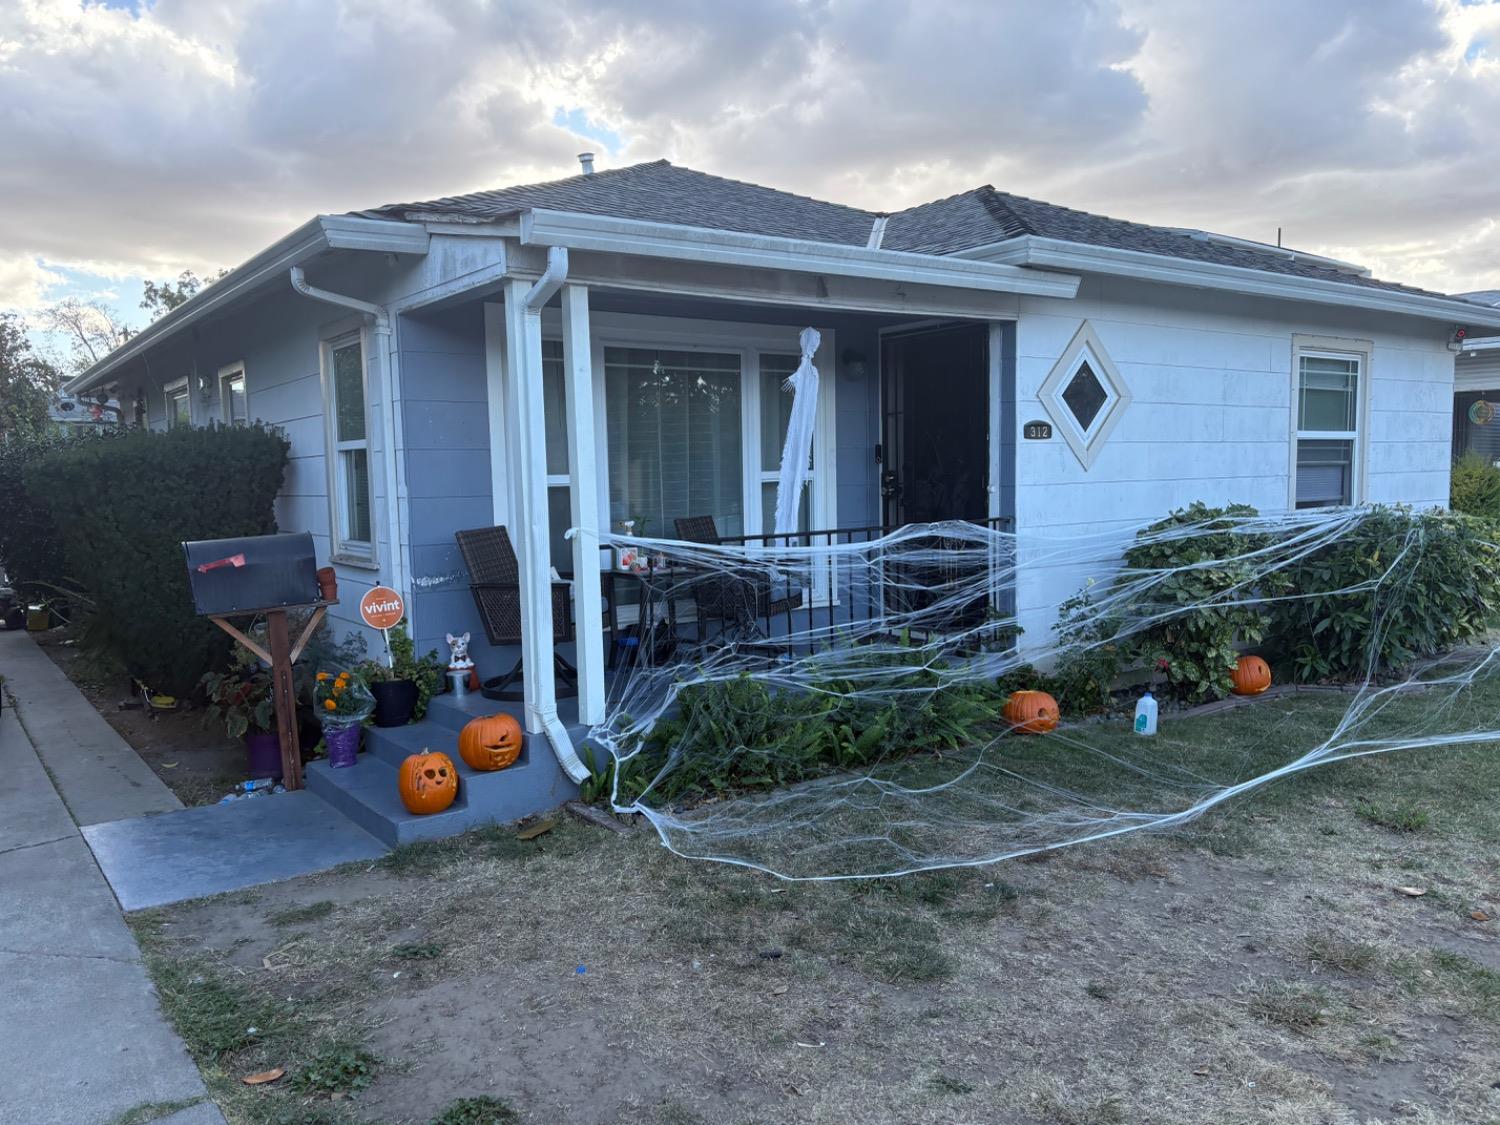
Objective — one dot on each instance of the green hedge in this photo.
(125, 506)
(1475, 487)
(30, 548)
(1418, 582)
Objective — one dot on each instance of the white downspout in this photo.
(541, 688)
(385, 378)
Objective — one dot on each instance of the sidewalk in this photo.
(82, 1040)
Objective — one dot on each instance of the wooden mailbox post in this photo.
(269, 576)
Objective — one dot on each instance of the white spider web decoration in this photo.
(875, 632)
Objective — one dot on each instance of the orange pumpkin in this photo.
(490, 742)
(428, 782)
(1252, 675)
(1030, 712)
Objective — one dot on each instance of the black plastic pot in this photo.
(394, 701)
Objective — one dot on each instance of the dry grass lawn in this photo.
(1259, 966)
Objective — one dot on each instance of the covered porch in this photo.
(657, 415)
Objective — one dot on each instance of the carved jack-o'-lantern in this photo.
(428, 782)
(490, 742)
(1252, 675)
(1030, 712)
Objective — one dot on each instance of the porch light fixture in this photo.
(1084, 395)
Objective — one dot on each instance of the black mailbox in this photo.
(258, 572)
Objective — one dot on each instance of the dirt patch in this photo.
(196, 761)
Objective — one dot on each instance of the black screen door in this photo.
(935, 425)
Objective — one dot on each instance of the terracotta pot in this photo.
(328, 584)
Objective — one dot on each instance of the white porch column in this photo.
(583, 497)
(528, 459)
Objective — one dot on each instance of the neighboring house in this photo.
(1476, 387)
(421, 367)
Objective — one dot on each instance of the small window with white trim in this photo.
(233, 405)
(347, 414)
(179, 404)
(1328, 388)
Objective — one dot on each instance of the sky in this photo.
(144, 137)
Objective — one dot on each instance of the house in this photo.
(500, 357)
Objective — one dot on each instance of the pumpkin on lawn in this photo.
(1252, 675)
(428, 782)
(1030, 712)
(490, 742)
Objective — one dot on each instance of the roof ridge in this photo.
(779, 191)
(486, 192)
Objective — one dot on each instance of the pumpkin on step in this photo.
(1252, 675)
(428, 782)
(490, 742)
(1030, 712)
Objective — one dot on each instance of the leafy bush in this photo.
(1398, 585)
(1474, 487)
(30, 547)
(1175, 608)
(737, 734)
(124, 506)
(425, 671)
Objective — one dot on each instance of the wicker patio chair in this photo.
(495, 582)
(743, 604)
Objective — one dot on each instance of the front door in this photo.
(935, 424)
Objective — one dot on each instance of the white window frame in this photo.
(1332, 347)
(1085, 347)
(343, 550)
(170, 391)
(748, 341)
(227, 374)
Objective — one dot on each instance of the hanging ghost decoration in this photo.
(797, 452)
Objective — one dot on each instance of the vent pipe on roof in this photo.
(587, 160)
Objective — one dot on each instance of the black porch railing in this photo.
(792, 594)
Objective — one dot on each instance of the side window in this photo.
(348, 448)
(179, 404)
(233, 405)
(1328, 388)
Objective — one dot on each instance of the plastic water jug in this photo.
(1145, 715)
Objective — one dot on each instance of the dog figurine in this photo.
(460, 661)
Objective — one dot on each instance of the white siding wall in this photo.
(1211, 419)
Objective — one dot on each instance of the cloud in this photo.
(190, 133)
(26, 284)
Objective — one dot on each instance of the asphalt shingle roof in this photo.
(662, 192)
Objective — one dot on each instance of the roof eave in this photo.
(577, 231)
(317, 235)
(1051, 253)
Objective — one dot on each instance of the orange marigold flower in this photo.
(324, 676)
(330, 705)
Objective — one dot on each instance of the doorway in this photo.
(935, 408)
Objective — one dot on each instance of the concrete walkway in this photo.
(82, 1039)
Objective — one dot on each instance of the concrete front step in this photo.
(367, 792)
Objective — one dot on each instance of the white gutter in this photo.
(325, 232)
(699, 244)
(387, 359)
(523, 345)
(1051, 253)
(1480, 344)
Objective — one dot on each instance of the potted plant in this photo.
(241, 699)
(402, 688)
(344, 703)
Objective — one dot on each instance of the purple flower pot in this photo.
(263, 754)
(342, 743)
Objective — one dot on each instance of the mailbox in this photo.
(258, 572)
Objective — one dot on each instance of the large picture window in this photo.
(347, 412)
(1328, 389)
(674, 423)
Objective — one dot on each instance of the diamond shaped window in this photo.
(1084, 396)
